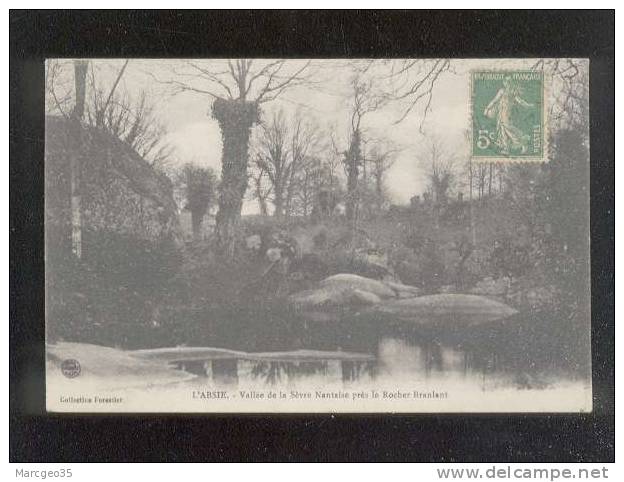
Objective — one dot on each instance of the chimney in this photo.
(80, 77)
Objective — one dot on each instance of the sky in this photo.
(196, 137)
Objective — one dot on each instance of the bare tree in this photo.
(412, 81)
(304, 143)
(480, 177)
(320, 184)
(134, 122)
(569, 78)
(273, 158)
(381, 158)
(100, 103)
(107, 106)
(262, 188)
(59, 87)
(282, 152)
(317, 191)
(332, 162)
(441, 170)
(309, 184)
(364, 100)
(237, 88)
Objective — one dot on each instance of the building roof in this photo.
(107, 150)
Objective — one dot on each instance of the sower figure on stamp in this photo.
(508, 136)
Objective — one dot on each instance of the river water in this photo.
(522, 352)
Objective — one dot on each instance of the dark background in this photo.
(39, 437)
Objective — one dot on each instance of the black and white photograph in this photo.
(317, 235)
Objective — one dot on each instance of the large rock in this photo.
(333, 296)
(446, 308)
(351, 290)
(346, 281)
(317, 298)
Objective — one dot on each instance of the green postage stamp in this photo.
(508, 116)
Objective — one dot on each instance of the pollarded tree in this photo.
(237, 88)
(200, 187)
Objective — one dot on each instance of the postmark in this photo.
(70, 368)
(508, 122)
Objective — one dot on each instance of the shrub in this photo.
(108, 296)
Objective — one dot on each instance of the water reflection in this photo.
(516, 352)
(354, 371)
(394, 358)
(273, 373)
(399, 356)
(238, 371)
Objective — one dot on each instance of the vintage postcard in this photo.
(335, 235)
